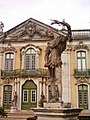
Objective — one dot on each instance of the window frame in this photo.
(32, 95)
(27, 96)
(9, 62)
(7, 95)
(84, 94)
(81, 60)
(31, 64)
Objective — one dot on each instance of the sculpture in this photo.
(53, 61)
(1, 27)
(14, 101)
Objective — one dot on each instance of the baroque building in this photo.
(22, 70)
(80, 69)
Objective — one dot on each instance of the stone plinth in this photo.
(13, 109)
(57, 113)
(53, 105)
(20, 115)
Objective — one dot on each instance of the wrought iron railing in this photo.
(25, 73)
(84, 73)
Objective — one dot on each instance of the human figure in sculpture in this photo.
(14, 101)
(54, 49)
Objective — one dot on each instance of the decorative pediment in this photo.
(7, 80)
(8, 48)
(25, 48)
(81, 46)
(28, 30)
(82, 80)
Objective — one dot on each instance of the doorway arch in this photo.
(29, 95)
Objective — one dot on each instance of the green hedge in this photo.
(3, 113)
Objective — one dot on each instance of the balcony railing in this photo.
(83, 73)
(81, 34)
(25, 73)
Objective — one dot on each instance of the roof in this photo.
(28, 30)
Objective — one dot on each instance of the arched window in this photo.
(81, 61)
(83, 96)
(30, 59)
(9, 58)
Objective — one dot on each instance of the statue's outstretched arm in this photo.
(64, 24)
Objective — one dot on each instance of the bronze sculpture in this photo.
(53, 61)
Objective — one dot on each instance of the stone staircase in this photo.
(20, 115)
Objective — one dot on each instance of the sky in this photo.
(75, 12)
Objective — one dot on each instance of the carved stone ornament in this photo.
(68, 48)
(36, 48)
(9, 48)
(7, 80)
(30, 29)
(81, 46)
(82, 80)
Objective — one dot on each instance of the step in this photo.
(20, 115)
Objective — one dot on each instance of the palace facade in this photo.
(80, 69)
(22, 70)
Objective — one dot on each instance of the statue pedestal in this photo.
(53, 105)
(57, 113)
(13, 109)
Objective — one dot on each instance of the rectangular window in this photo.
(25, 96)
(27, 62)
(30, 62)
(33, 96)
(9, 61)
(81, 61)
(83, 96)
(30, 59)
(33, 62)
(79, 64)
(5, 97)
(83, 64)
(9, 97)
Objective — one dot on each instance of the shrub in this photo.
(3, 113)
